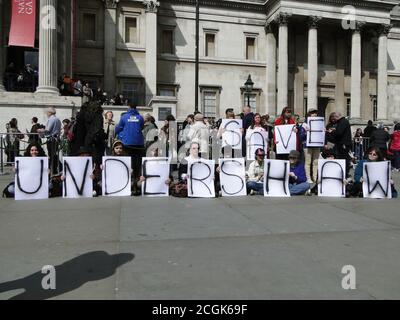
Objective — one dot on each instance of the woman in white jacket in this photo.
(255, 182)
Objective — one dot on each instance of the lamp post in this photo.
(249, 88)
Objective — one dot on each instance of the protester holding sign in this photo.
(311, 153)
(179, 188)
(374, 154)
(255, 182)
(298, 184)
(34, 150)
(284, 119)
(261, 141)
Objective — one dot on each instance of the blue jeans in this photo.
(299, 189)
(258, 187)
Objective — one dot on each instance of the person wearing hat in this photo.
(118, 149)
(298, 184)
(255, 182)
(199, 133)
(311, 154)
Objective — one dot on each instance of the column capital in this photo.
(283, 18)
(151, 5)
(384, 29)
(111, 4)
(269, 27)
(359, 25)
(313, 22)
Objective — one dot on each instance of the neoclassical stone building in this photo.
(329, 54)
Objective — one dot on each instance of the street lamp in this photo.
(249, 88)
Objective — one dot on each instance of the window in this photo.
(210, 45)
(133, 90)
(253, 101)
(163, 112)
(250, 48)
(210, 104)
(89, 26)
(167, 42)
(374, 109)
(348, 107)
(167, 90)
(131, 30)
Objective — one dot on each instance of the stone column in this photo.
(270, 71)
(1, 47)
(299, 74)
(283, 72)
(48, 48)
(382, 91)
(110, 27)
(355, 112)
(340, 103)
(151, 48)
(312, 82)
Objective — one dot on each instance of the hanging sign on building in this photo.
(23, 23)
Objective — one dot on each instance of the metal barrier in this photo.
(359, 147)
(14, 145)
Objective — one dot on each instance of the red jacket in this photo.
(280, 121)
(395, 144)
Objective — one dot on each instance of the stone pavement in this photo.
(225, 248)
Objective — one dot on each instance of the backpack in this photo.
(6, 192)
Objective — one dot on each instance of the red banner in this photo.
(23, 23)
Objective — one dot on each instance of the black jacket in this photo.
(368, 131)
(342, 134)
(379, 138)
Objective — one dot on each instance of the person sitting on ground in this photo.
(34, 149)
(96, 171)
(374, 154)
(255, 182)
(179, 188)
(298, 184)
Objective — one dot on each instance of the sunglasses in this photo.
(372, 154)
(260, 154)
(293, 157)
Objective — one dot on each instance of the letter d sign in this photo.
(349, 280)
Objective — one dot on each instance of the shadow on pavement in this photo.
(70, 275)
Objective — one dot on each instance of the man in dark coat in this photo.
(379, 138)
(342, 138)
(369, 129)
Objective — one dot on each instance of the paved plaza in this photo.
(225, 248)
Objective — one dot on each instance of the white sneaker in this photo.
(308, 192)
(252, 192)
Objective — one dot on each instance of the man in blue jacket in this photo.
(129, 131)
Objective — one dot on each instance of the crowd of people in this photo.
(94, 132)
(25, 79)
(79, 88)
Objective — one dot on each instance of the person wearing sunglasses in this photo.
(298, 184)
(255, 182)
(374, 154)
